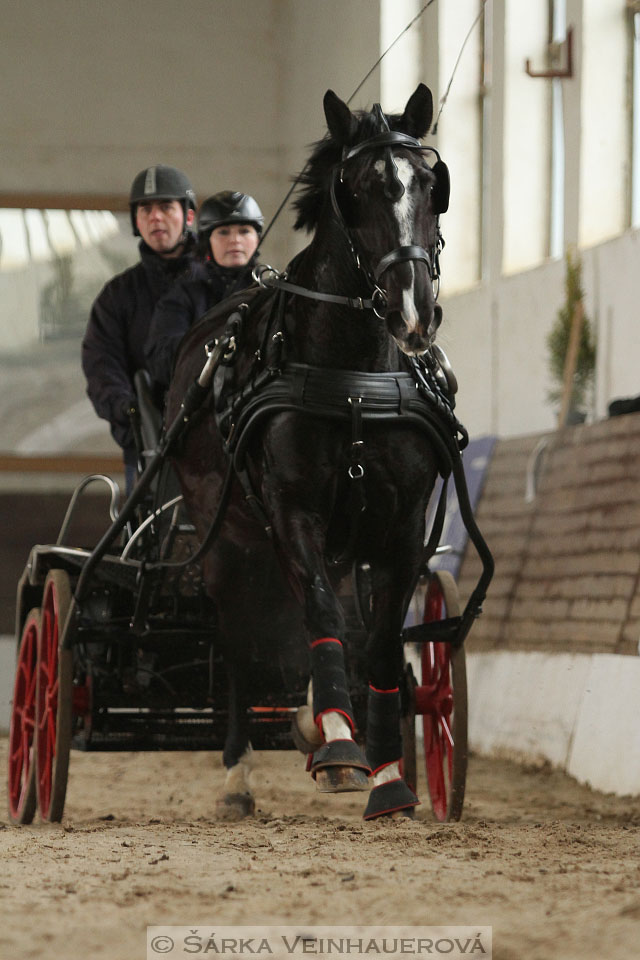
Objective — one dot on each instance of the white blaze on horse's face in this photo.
(403, 209)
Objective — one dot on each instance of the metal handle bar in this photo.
(113, 503)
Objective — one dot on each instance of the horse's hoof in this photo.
(406, 813)
(339, 767)
(235, 806)
(391, 799)
(306, 736)
(341, 780)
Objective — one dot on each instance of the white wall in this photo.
(558, 708)
(229, 90)
(496, 338)
(100, 89)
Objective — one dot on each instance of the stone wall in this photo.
(567, 559)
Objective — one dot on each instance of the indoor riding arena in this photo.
(302, 678)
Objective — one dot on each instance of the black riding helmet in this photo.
(225, 207)
(161, 183)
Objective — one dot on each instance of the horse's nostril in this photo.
(415, 342)
(437, 315)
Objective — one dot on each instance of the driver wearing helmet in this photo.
(229, 228)
(162, 204)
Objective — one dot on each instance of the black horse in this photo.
(313, 433)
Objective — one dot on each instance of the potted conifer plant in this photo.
(572, 364)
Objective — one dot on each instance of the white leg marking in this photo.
(390, 772)
(237, 779)
(335, 726)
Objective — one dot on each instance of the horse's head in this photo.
(387, 199)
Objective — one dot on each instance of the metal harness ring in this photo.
(379, 294)
(263, 270)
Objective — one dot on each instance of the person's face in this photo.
(233, 244)
(160, 223)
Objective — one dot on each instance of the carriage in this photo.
(179, 631)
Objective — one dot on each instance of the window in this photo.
(526, 138)
(53, 263)
(460, 141)
(400, 71)
(556, 213)
(634, 21)
(604, 123)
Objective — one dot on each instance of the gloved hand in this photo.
(127, 407)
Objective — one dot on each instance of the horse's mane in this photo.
(314, 179)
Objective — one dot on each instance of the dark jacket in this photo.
(113, 345)
(188, 300)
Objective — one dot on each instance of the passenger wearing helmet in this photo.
(162, 204)
(229, 228)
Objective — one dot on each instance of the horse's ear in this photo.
(418, 113)
(339, 117)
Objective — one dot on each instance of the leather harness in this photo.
(414, 396)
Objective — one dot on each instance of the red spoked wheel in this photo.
(22, 770)
(440, 699)
(54, 691)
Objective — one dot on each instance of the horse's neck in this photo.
(333, 335)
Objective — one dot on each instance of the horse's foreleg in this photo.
(389, 791)
(389, 794)
(338, 764)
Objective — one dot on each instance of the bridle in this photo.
(386, 140)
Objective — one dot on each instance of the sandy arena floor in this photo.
(553, 867)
